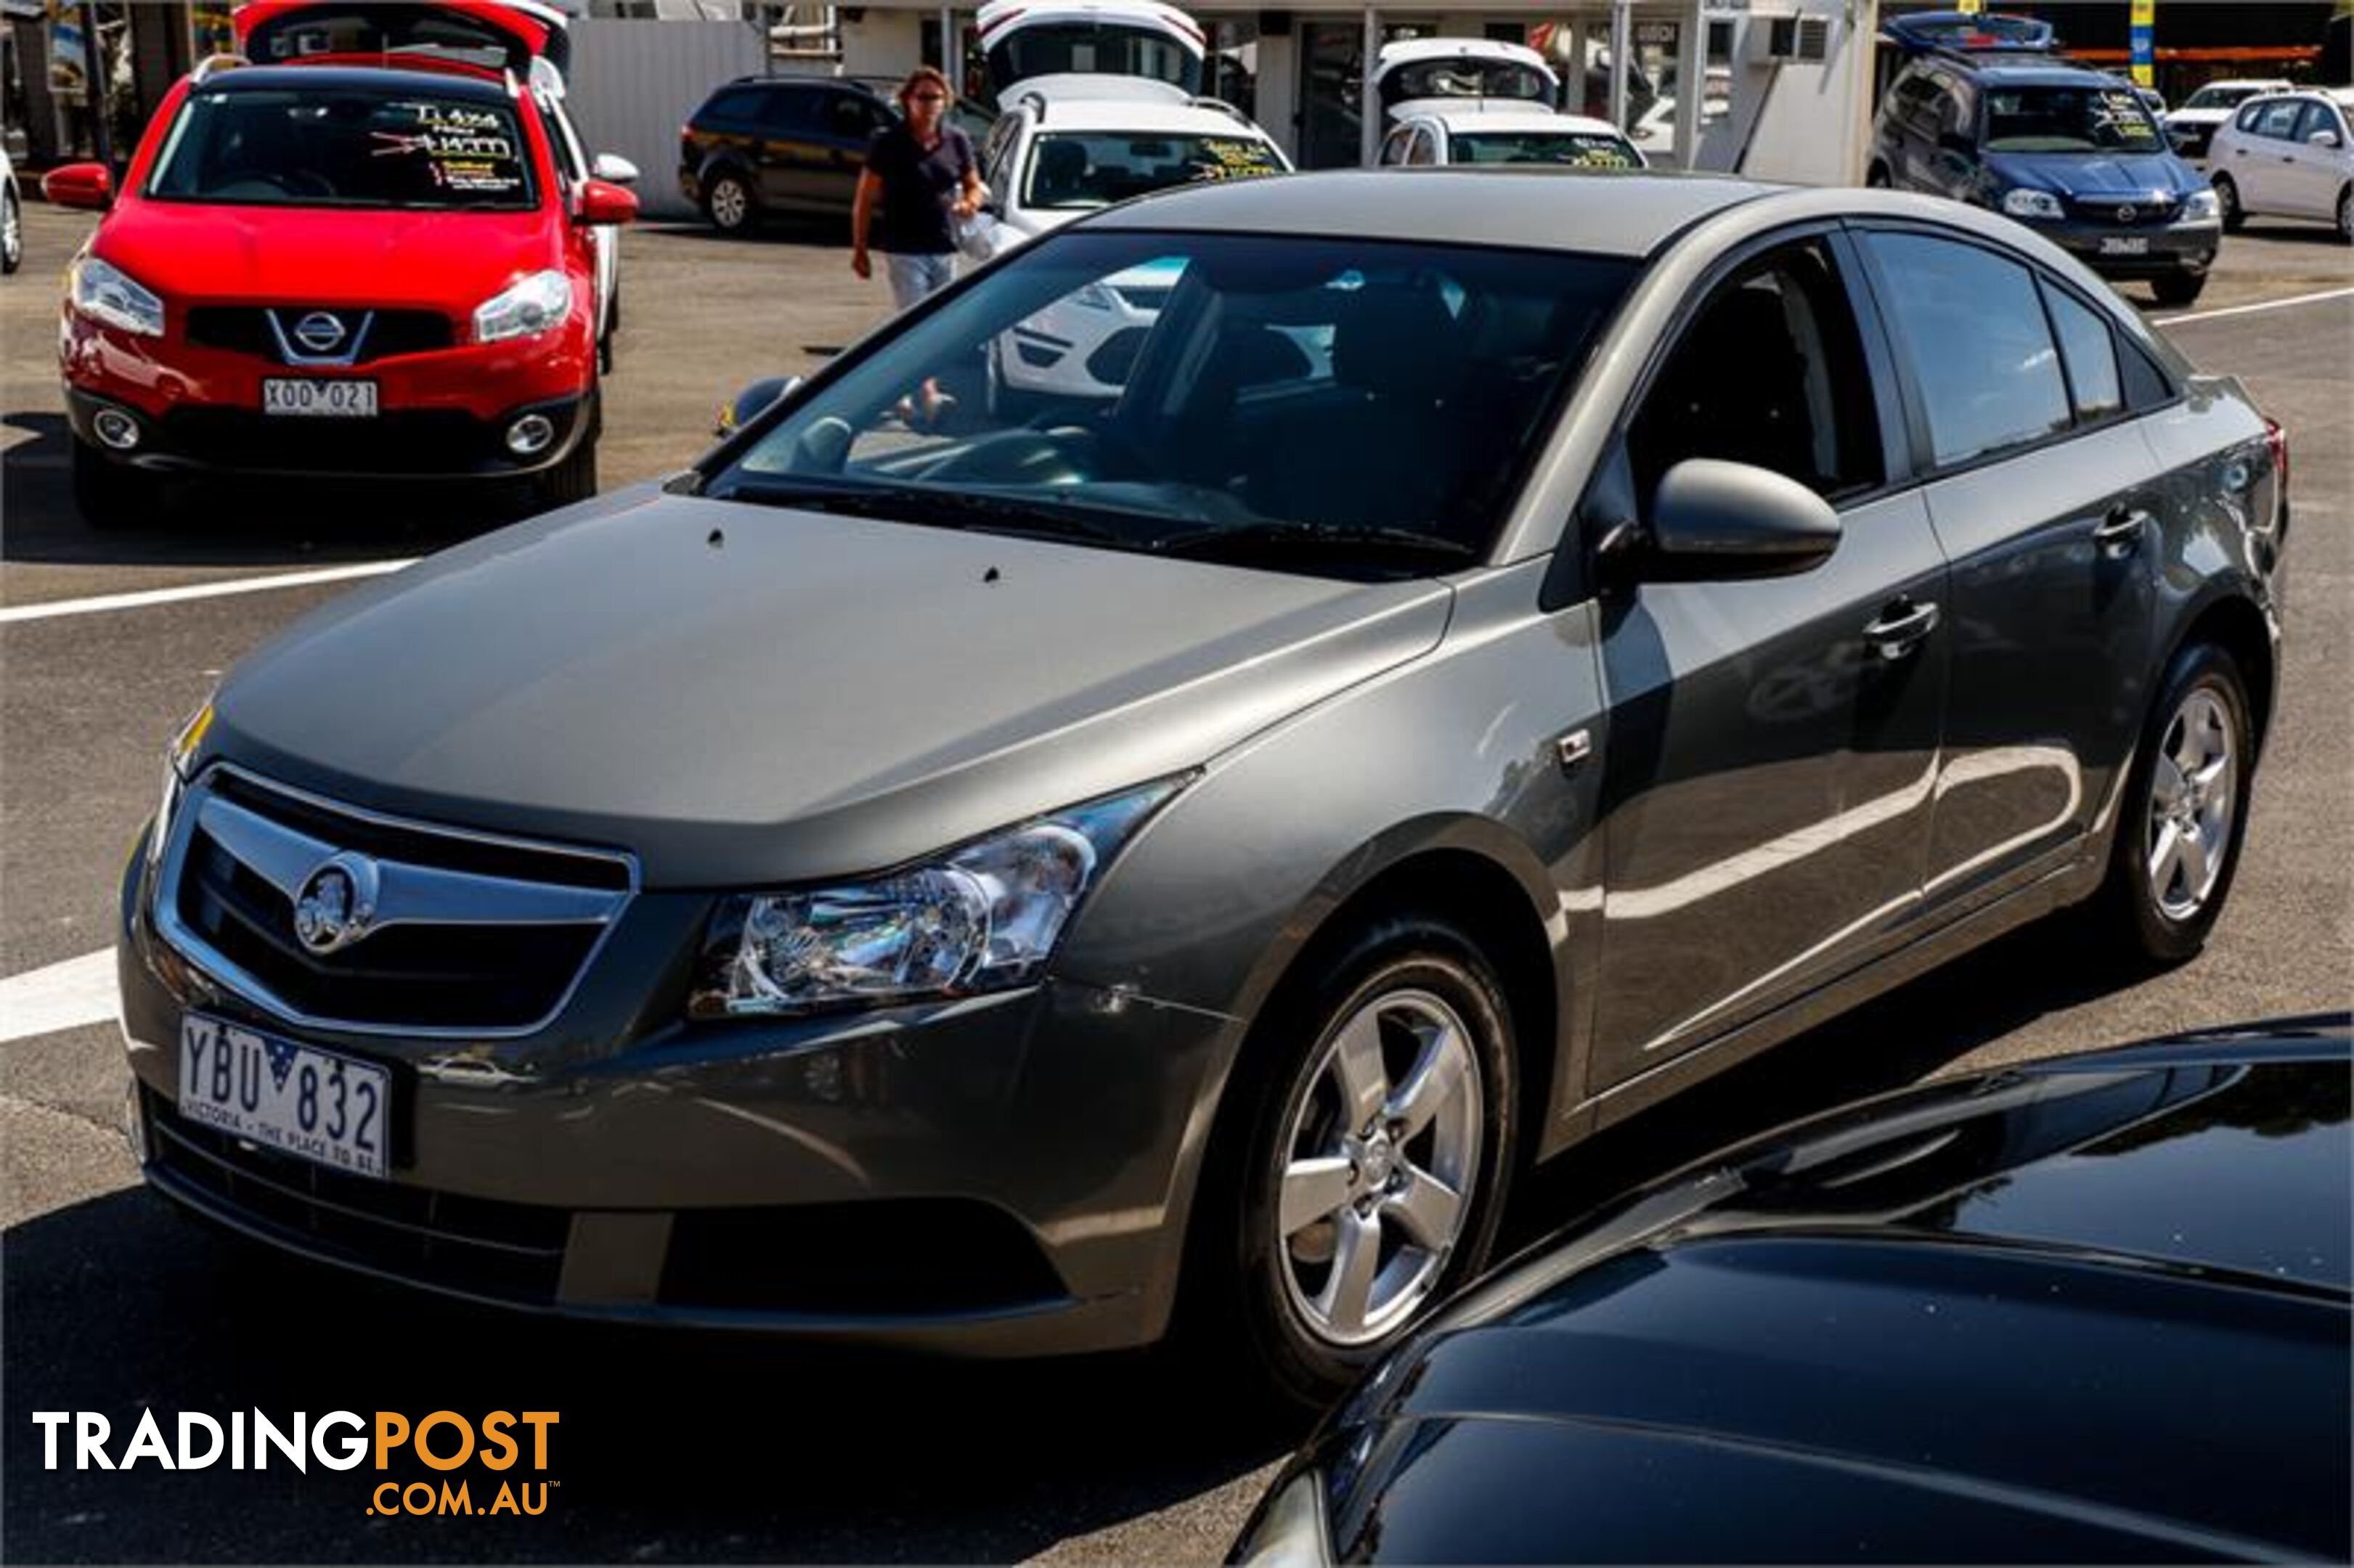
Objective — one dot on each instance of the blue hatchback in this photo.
(2073, 152)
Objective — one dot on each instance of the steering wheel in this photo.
(1022, 456)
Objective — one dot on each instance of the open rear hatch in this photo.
(1464, 73)
(1027, 38)
(495, 35)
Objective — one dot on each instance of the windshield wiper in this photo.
(1021, 516)
(1274, 535)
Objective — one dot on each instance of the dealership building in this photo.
(1787, 85)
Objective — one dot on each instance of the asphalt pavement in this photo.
(723, 1448)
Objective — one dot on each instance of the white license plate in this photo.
(294, 1098)
(319, 399)
(2124, 245)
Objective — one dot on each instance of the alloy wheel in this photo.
(730, 204)
(2193, 793)
(12, 233)
(1381, 1157)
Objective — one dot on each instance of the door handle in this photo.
(2120, 532)
(1902, 626)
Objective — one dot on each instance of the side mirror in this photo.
(603, 202)
(1715, 521)
(614, 169)
(89, 187)
(754, 401)
(2323, 139)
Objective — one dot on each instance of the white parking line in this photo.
(145, 597)
(61, 996)
(2252, 309)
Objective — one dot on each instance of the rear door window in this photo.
(2090, 353)
(852, 117)
(2278, 118)
(1981, 353)
(788, 112)
(737, 106)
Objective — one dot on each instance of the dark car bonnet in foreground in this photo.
(2091, 1309)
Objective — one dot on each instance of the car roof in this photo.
(2340, 95)
(1628, 215)
(466, 83)
(1512, 120)
(808, 83)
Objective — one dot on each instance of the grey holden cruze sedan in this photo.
(1514, 645)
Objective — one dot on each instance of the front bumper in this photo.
(443, 411)
(2164, 249)
(1003, 1175)
(400, 443)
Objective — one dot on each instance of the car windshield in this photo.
(1340, 408)
(2221, 97)
(1463, 78)
(2069, 120)
(1073, 171)
(1571, 149)
(330, 147)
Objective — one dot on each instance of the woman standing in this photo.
(924, 172)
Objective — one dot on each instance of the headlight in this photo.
(2203, 206)
(1291, 1529)
(105, 292)
(179, 765)
(980, 918)
(2032, 204)
(538, 304)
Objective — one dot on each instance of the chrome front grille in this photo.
(321, 913)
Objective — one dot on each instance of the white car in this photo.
(12, 218)
(1070, 146)
(2193, 126)
(1509, 136)
(2288, 154)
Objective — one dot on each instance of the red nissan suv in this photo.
(369, 247)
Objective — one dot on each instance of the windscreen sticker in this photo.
(464, 148)
(1235, 159)
(2121, 111)
(1601, 155)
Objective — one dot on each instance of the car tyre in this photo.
(2346, 216)
(12, 232)
(727, 204)
(2185, 812)
(110, 494)
(1385, 1066)
(573, 480)
(2227, 197)
(2179, 288)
